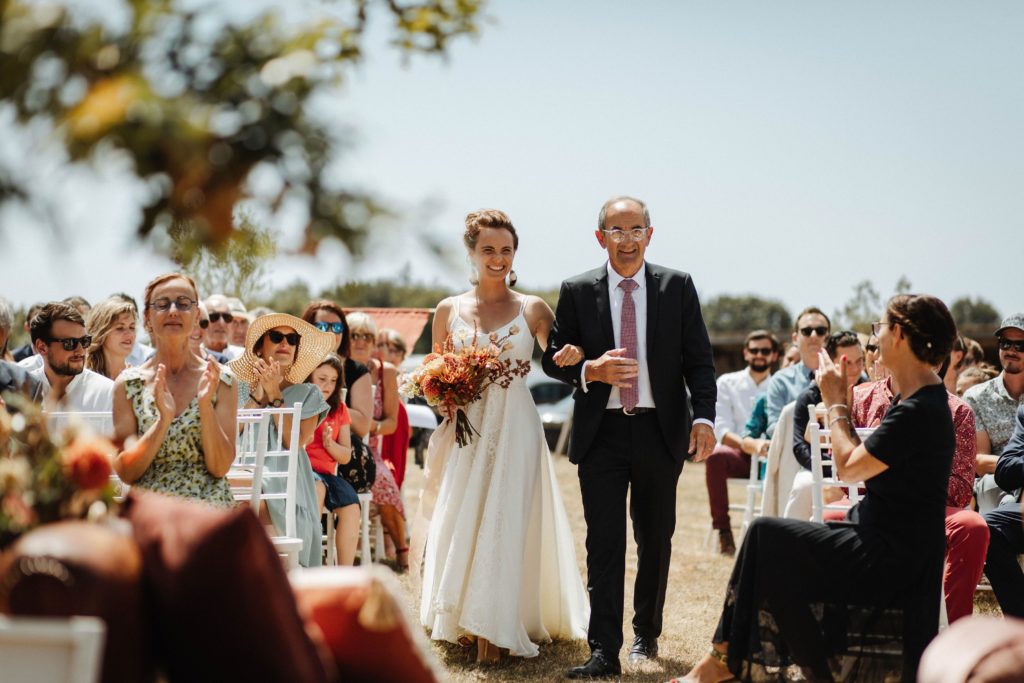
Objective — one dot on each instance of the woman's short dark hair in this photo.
(927, 324)
(332, 359)
(259, 345)
(309, 315)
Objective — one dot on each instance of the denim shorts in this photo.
(339, 492)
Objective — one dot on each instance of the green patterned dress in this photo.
(179, 468)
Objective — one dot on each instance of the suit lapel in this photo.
(653, 291)
(604, 308)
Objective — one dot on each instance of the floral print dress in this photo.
(179, 468)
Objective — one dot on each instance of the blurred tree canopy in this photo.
(968, 311)
(863, 308)
(237, 266)
(743, 313)
(200, 102)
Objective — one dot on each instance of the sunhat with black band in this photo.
(313, 346)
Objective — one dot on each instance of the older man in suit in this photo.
(642, 333)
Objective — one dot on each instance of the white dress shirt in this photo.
(737, 394)
(645, 397)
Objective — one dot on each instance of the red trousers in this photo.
(724, 463)
(966, 545)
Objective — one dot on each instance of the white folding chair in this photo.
(250, 456)
(753, 486)
(280, 471)
(821, 440)
(38, 650)
(330, 548)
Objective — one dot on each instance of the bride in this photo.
(499, 567)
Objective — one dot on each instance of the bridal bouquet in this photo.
(454, 377)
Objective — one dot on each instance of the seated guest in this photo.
(995, 405)
(280, 353)
(957, 364)
(386, 495)
(59, 338)
(140, 352)
(239, 321)
(111, 324)
(871, 357)
(179, 408)
(17, 379)
(332, 446)
(1006, 542)
(809, 333)
(845, 343)
(218, 334)
(395, 446)
(973, 352)
(966, 532)
(198, 337)
(791, 357)
(737, 393)
(6, 323)
(974, 375)
(28, 351)
(80, 304)
(799, 588)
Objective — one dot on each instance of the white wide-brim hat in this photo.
(314, 345)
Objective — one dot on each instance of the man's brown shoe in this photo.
(726, 544)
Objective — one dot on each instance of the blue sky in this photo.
(790, 149)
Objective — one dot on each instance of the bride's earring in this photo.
(512, 278)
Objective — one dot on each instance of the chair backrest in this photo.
(250, 457)
(821, 442)
(781, 466)
(280, 471)
(58, 650)
(100, 422)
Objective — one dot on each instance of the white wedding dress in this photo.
(499, 561)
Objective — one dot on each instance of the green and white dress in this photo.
(179, 468)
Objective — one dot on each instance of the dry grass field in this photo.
(695, 592)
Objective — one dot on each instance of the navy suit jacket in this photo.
(1010, 466)
(679, 354)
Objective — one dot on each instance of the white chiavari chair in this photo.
(821, 441)
(36, 649)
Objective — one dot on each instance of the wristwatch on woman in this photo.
(276, 403)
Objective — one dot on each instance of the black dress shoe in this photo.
(598, 666)
(643, 650)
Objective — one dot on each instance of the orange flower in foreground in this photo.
(87, 462)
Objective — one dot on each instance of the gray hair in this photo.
(6, 317)
(623, 198)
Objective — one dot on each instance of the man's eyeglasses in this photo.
(71, 343)
(336, 328)
(871, 347)
(616, 235)
(759, 351)
(1007, 344)
(217, 316)
(204, 323)
(820, 331)
(363, 336)
(182, 303)
(277, 337)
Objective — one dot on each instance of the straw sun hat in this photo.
(313, 346)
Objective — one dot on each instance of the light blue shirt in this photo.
(784, 386)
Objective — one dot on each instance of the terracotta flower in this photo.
(87, 462)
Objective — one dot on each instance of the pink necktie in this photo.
(627, 333)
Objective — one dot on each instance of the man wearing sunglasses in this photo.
(218, 334)
(995, 405)
(58, 336)
(737, 393)
(809, 335)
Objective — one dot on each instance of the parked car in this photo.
(544, 389)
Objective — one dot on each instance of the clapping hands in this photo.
(208, 383)
(834, 381)
(268, 379)
(162, 395)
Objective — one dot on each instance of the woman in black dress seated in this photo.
(859, 599)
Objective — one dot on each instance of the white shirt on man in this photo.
(737, 394)
(645, 397)
(88, 392)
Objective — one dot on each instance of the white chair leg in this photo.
(332, 550)
(378, 527)
(364, 527)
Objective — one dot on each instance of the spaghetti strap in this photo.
(522, 307)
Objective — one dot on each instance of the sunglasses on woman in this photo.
(276, 337)
(363, 336)
(336, 328)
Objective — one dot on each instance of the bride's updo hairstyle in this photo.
(927, 324)
(487, 218)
